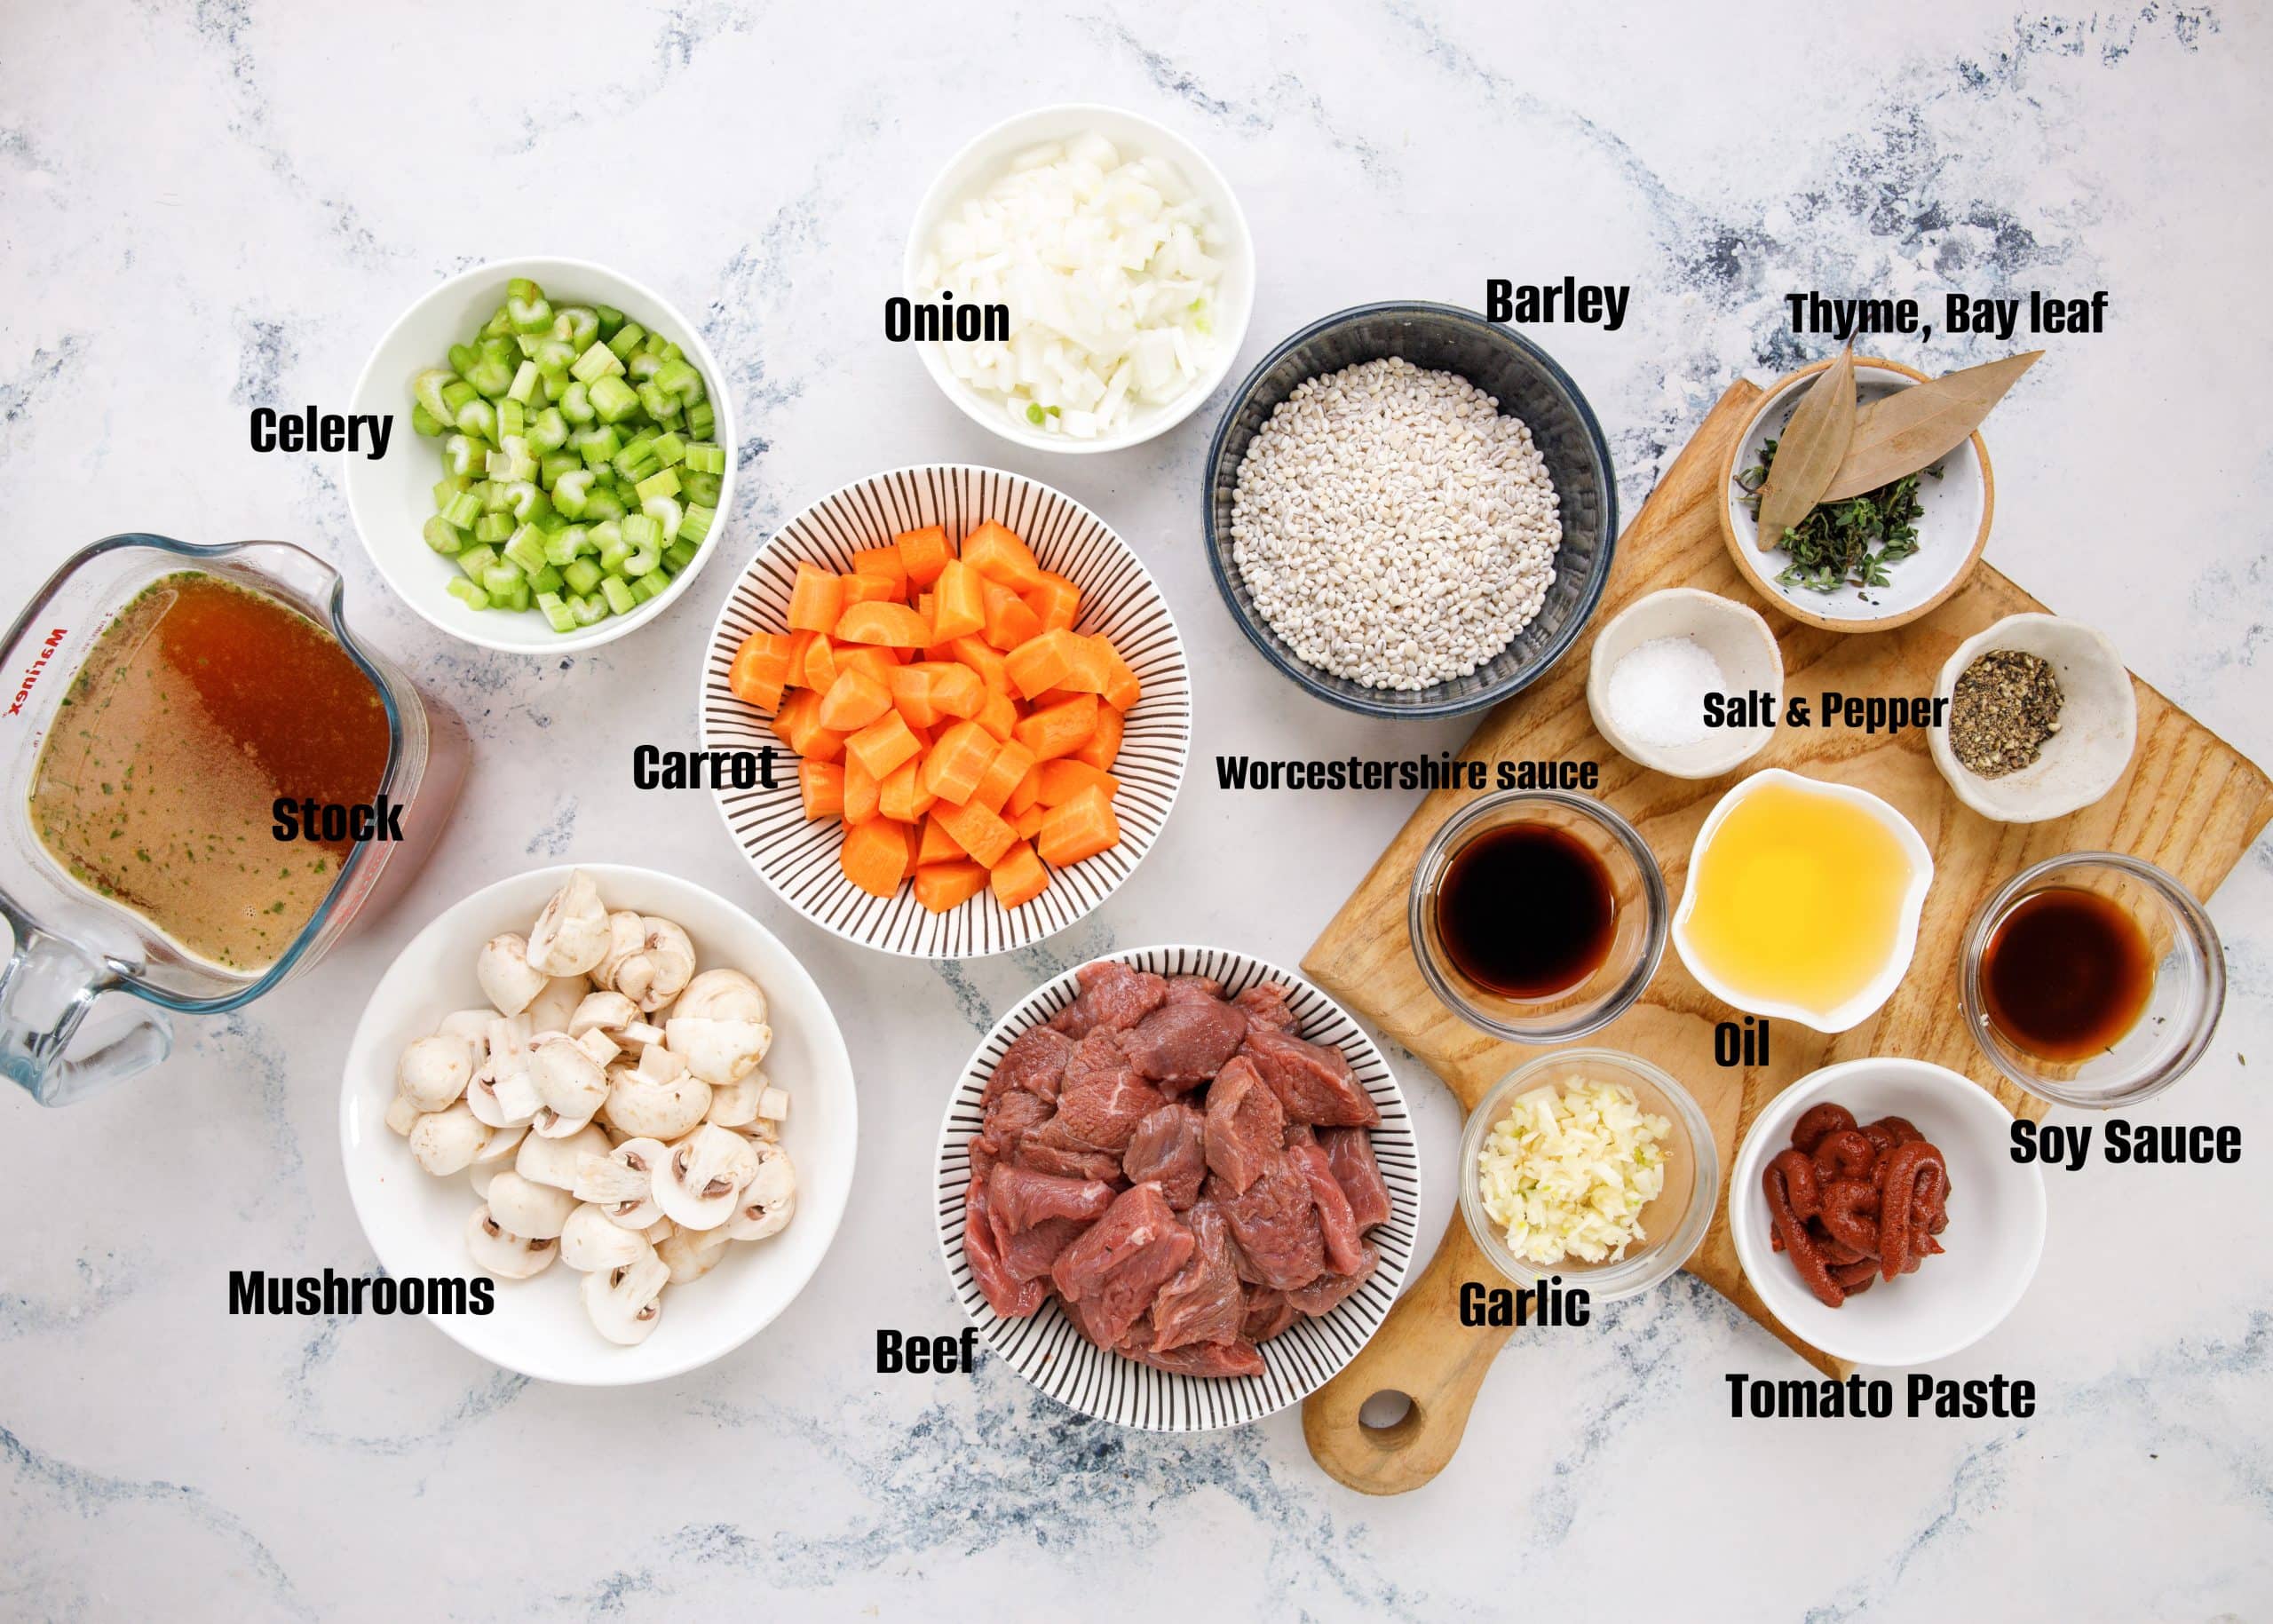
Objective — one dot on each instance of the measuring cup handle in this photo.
(45, 990)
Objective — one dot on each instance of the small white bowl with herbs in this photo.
(1885, 542)
(564, 460)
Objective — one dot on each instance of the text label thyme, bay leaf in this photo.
(1911, 428)
(1813, 444)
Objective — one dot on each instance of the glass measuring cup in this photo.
(72, 949)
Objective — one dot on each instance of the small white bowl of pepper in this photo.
(2041, 718)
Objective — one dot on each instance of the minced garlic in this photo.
(1568, 1170)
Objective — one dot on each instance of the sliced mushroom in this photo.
(623, 1182)
(625, 937)
(768, 1200)
(605, 1011)
(402, 1114)
(591, 1240)
(502, 1094)
(658, 1099)
(722, 994)
(570, 934)
(433, 1071)
(690, 1254)
(497, 1156)
(570, 1083)
(659, 969)
(718, 1050)
(702, 1175)
(554, 1161)
(773, 1104)
(508, 979)
(523, 1207)
(446, 1142)
(497, 1250)
(549, 1010)
(471, 1027)
(626, 1302)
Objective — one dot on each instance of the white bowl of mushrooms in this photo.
(619, 1099)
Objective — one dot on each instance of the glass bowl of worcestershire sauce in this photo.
(1537, 915)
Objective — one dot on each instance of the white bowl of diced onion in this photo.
(1126, 264)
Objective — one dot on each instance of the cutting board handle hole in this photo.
(1390, 1418)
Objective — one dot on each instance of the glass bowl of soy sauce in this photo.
(1537, 915)
(2093, 979)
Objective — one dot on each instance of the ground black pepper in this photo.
(2005, 705)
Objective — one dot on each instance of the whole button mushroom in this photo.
(434, 1071)
(497, 1250)
(549, 1010)
(591, 1240)
(719, 1051)
(523, 1207)
(571, 936)
(699, 1179)
(722, 994)
(625, 937)
(446, 1142)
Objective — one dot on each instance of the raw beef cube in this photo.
(1274, 1221)
(1238, 1358)
(1116, 1267)
(1013, 1113)
(1006, 1295)
(1170, 1149)
(1034, 1062)
(1050, 1149)
(1104, 1098)
(1268, 1313)
(1245, 1123)
(1180, 1044)
(1112, 998)
(1350, 1152)
(1202, 1302)
(1019, 1198)
(1264, 1005)
(1344, 1249)
(1323, 1294)
(1194, 989)
(1030, 1253)
(1313, 1081)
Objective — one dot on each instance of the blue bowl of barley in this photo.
(1528, 385)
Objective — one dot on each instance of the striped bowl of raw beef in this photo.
(1177, 1189)
(799, 857)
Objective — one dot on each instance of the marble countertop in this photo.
(213, 207)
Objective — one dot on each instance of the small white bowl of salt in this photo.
(1653, 666)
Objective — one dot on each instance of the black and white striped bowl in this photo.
(799, 859)
(1051, 1354)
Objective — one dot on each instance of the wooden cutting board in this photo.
(2189, 803)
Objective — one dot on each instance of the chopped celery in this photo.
(572, 490)
(611, 398)
(618, 595)
(594, 363)
(634, 458)
(462, 356)
(642, 368)
(463, 509)
(518, 598)
(512, 461)
(454, 398)
(565, 542)
(582, 574)
(700, 419)
(471, 595)
(702, 487)
(671, 450)
(443, 536)
(678, 555)
(474, 559)
(576, 404)
(704, 457)
(558, 614)
(491, 377)
(526, 549)
(477, 416)
(663, 482)
(681, 379)
(626, 340)
(696, 526)
(524, 385)
(499, 579)
(666, 513)
(422, 422)
(575, 324)
(590, 609)
(552, 464)
(657, 401)
(493, 527)
(603, 504)
(464, 453)
(610, 319)
(654, 585)
(545, 579)
(548, 431)
(614, 553)
(513, 418)
(530, 313)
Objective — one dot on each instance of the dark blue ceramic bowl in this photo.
(1528, 383)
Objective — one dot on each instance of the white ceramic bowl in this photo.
(393, 498)
(1045, 1348)
(2099, 722)
(1863, 1004)
(799, 859)
(988, 156)
(1740, 644)
(1995, 1234)
(417, 1223)
(1951, 531)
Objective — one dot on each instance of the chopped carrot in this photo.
(924, 553)
(959, 761)
(957, 689)
(798, 723)
(1055, 601)
(816, 600)
(893, 625)
(1063, 779)
(761, 670)
(1044, 662)
(1002, 557)
(1079, 830)
(1019, 877)
(1060, 729)
(863, 794)
(1028, 823)
(883, 744)
(857, 700)
(983, 657)
(1104, 744)
(902, 797)
(1004, 773)
(822, 662)
(875, 856)
(976, 830)
(887, 563)
(941, 886)
(1123, 690)
(914, 693)
(821, 785)
(959, 609)
(877, 662)
(998, 716)
(860, 589)
(938, 846)
(1089, 665)
(1009, 621)
(1027, 793)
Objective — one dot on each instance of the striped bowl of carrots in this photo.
(978, 701)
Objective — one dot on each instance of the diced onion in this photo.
(1109, 269)
(1568, 1170)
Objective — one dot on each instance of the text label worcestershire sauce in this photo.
(198, 706)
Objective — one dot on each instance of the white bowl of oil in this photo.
(1802, 901)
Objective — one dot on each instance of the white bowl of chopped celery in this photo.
(1122, 258)
(571, 460)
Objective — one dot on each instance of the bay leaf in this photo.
(1916, 427)
(1808, 452)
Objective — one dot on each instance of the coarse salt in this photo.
(1657, 693)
